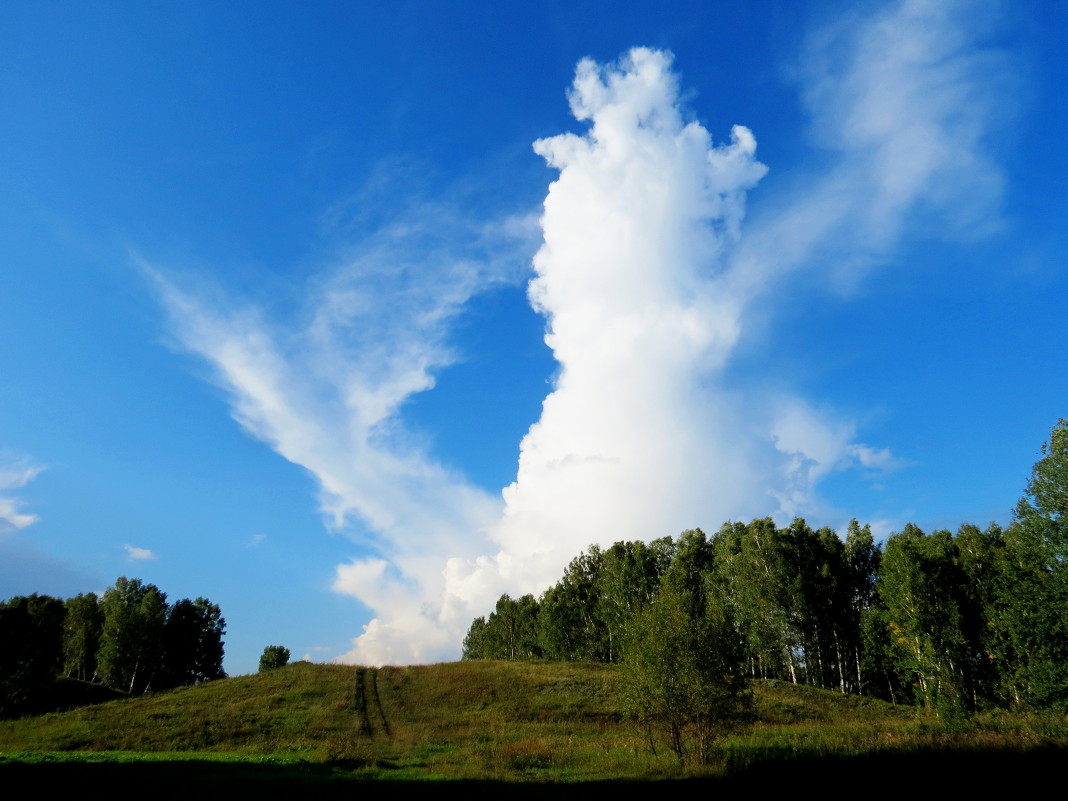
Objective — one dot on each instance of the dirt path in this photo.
(368, 703)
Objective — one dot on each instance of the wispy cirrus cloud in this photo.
(326, 390)
(902, 104)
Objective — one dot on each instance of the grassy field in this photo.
(495, 726)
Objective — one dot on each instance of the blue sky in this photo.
(278, 282)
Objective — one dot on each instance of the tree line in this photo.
(130, 640)
(954, 621)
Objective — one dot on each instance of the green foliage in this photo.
(689, 568)
(131, 642)
(980, 557)
(474, 645)
(922, 586)
(1044, 507)
(192, 642)
(862, 557)
(752, 571)
(1031, 617)
(626, 583)
(273, 657)
(569, 628)
(680, 675)
(30, 647)
(510, 633)
(958, 623)
(877, 660)
(81, 636)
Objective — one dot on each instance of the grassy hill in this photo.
(521, 724)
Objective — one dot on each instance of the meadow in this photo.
(498, 727)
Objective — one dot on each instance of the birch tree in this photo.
(131, 642)
(680, 675)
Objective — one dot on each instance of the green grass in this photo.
(514, 724)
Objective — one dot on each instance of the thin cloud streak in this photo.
(139, 554)
(15, 473)
(327, 394)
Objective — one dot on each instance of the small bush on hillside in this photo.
(274, 656)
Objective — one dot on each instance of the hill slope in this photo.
(497, 721)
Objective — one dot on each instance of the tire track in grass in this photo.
(360, 702)
(378, 703)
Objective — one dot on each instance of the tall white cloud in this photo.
(645, 275)
(631, 443)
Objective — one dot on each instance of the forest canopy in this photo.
(130, 640)
(954, 621)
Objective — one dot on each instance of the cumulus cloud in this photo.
(15, 472)
(631, 443)
(139, 554)
(645, 275)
